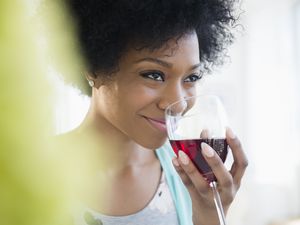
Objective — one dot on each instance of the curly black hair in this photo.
(107, 28)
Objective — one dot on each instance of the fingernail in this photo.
(183, 158)
(205, 134)
(207, 150)
(175, 162)
(230, 133)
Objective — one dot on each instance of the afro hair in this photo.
(107, 28)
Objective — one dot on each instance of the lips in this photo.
(159, 124)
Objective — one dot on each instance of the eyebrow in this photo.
(155, 60)
(195, 66)
(163, 63)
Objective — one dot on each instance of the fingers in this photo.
(217, 166)
(184, 177)
(189, 174)
(204, 134)
(240, 160)
(228, 181)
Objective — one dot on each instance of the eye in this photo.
(153, 75)
(193, 77)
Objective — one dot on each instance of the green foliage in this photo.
(34, 187)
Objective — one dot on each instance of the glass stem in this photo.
(218, 203)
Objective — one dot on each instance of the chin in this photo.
(154, 144)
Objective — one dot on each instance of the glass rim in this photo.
(187, 98)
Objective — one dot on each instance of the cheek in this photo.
(139, 96)
(191, 103)
(192, 91)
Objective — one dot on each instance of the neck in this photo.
(116, 149)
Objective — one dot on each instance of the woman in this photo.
(141, 56)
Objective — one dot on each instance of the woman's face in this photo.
(147, 82)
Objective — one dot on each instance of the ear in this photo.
(92, 79)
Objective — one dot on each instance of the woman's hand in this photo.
(204, 211)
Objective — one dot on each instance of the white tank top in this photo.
(160, 211)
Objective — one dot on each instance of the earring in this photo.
(91, 83)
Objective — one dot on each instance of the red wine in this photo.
(192, 148)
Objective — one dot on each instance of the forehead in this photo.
(185, 47)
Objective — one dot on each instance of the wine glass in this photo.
(192, 121)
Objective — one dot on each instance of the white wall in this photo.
(271, 132)
(261, 91)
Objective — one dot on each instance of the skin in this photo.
(128, 112)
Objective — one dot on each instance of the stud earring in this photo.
(91, 83)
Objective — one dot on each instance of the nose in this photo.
(172, 94)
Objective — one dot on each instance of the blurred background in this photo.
(260, 87)
(39, 178)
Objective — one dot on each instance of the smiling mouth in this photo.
(159, 124)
